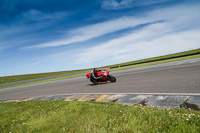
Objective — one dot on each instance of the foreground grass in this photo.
(98, 117)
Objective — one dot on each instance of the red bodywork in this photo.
(105, 73)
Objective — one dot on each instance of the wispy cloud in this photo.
(116, 5)
(23, 29)
(35, 15)
(95, 30)
(143, 44)
(103, 28)
(36, 63)
(175, 33)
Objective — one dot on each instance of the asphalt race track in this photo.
(178, 77)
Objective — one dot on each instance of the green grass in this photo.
(156, 63)
(16, 78)
(160, 57)
(47, 80)
(94, 117)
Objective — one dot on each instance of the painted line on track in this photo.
(172, 94)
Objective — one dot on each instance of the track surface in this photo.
(165, 78)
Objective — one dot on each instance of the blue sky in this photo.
(56, 35)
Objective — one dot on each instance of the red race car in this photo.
(103, 74)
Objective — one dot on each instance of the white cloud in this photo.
(181, 16)
(179, 31)
(35, 63)
(36, 15)
(41, 20)
(22, 31)
(95, 30)
(114, 4)
(143, 44)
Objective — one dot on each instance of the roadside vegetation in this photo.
(155, 63)
(16, 78)
(47, 80)
(159, 57)
(98, 117)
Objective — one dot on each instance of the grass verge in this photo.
(156, 63)
(195, 51)
(42, 81)
(98, 117)
(16, 78)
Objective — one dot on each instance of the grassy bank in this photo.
(16, 78)
(47, 80)
(158, 58)
(156, 63)
(98, 117)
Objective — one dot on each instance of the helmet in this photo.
(95, 70)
